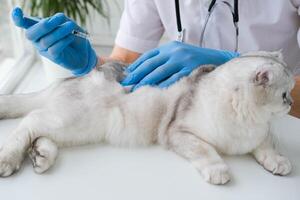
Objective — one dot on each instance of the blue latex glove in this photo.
(54, 40)
(165, 65)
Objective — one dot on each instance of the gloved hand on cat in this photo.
(165, 65)
(53, 38)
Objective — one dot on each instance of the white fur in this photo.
(225, 111)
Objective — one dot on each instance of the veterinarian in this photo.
(200, 31)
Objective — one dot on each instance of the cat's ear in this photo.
(274, 54)
(263, 77)
(278, 55)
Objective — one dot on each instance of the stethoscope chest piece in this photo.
(180, 35)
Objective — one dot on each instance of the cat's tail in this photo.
(14, 106)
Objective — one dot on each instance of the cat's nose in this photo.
(290, 101)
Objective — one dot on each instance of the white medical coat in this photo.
(263, 25)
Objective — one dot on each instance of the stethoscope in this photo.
(235, 18)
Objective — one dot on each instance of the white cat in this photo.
(227, 110)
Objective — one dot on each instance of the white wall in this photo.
(102, 33)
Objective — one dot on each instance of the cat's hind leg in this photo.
(18, 105)
(202, 155)
(43, 153)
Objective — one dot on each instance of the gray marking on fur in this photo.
(113, 71)
(187, 100)
(194, 80)
(202, 70)
(175, 112)
(184, 102)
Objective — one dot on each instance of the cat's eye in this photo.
(284, 95)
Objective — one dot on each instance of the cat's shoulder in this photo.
(198, 73)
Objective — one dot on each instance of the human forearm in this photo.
(119, 54)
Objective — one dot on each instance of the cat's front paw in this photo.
(216, 174)
(277, 164)
(9, 163)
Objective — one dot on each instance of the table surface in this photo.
(104, 172)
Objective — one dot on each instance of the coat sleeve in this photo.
(140, 26)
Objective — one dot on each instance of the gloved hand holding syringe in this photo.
(59, 39)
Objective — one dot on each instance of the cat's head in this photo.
(270, 81)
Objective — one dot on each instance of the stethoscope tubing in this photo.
(235, 15)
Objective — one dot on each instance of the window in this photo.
(16, 56)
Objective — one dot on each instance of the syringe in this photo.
(32, 20)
